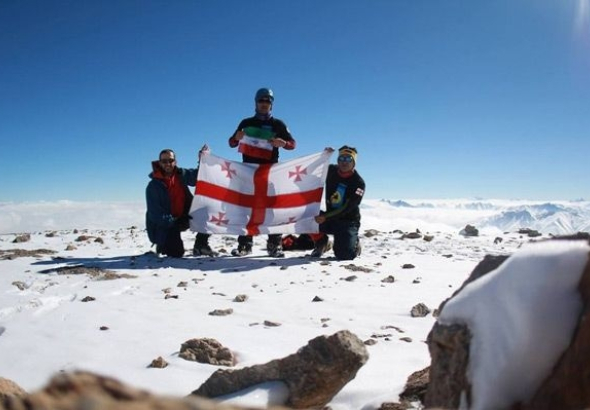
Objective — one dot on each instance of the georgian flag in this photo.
(251, 199)
(255, 143)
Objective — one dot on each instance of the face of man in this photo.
(345, 163)
(167, 163)
(263, 105)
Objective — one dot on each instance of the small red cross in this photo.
(218, 220)
(297, 173)
(226, 168)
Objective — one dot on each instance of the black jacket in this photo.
(343, 195)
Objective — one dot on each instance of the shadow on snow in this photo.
(150, 261)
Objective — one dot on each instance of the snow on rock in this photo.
(522, 317)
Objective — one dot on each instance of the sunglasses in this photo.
(167, 161)
(264, 101)
(344, 158)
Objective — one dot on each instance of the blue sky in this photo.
(443, 99)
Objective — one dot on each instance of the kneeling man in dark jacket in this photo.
(344, 191)
(168, 204)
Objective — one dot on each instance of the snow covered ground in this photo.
(45, 327)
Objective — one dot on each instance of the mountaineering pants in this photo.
(346, 237)
(173, 245)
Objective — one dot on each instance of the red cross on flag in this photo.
(251, 199)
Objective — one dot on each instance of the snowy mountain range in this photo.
(556, 218)
(490, 216)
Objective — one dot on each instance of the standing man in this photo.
(259, 139)
(344, 192)
(168, 204)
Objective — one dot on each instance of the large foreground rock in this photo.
(10, 388)
(568, 387)
(87, 391)
(313, 375)
(449, 350)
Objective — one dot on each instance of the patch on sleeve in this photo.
(359, 192)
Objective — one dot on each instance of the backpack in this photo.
(297, 243)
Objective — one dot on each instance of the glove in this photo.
(182, 223)
(204, 149)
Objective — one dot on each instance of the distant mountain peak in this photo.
(398, 203)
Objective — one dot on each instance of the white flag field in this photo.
(251, 199)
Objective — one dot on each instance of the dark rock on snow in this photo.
(158, 363)
(412, 235)
(420, 310)
(26, 237)
(469, 230)
(313, 375)
(207, 350)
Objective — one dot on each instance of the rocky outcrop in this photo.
(414, 391)
(449, 350)
(568, 387)
(82, 390)
(416, 385)
(313, 375)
